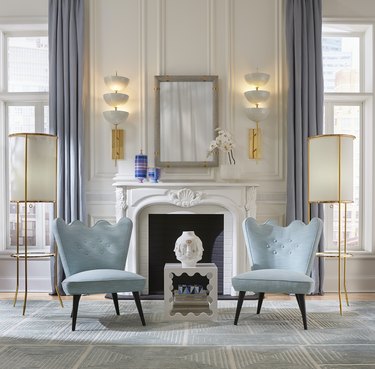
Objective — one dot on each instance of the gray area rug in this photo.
(273, 339)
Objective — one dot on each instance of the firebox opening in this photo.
(164, 229)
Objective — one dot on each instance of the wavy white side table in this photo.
(173, 312)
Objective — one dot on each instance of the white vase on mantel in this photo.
(228, 172)
(188, 249)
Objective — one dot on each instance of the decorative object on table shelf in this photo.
(115, 99)
(223, 142)
(141, 167)
(188, 249)
(153, 174)
(258, 113)
(189, 289)
(33, 179)
(330, 180)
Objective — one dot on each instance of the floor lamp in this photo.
(330, 180)
(33, 179)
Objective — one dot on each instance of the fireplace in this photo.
(164, 229)
(230, 202)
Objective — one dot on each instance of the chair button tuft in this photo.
(274, 241)
(275, 252)
(268, 246)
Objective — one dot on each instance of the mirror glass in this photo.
(186, 119)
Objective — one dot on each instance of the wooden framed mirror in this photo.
(185, 120)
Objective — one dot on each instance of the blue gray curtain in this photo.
(305, 107)
(66, 35)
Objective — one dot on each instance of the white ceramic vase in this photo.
(188, 249)
(228, 172)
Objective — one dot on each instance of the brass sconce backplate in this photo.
(254, 143)
(118, 144)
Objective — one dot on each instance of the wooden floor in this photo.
(327, 296)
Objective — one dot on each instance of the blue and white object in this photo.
(141, 167)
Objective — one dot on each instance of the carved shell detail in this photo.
(185, 197)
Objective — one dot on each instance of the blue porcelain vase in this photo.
(141, 167)
(153, 174)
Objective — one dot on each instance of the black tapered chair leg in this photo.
(260, 302)
(302, 306)
(241, 296)
(76, 299)
(115, 301)
(139, 306)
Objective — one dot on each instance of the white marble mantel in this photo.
(239, 199)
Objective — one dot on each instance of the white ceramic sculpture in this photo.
(188, 249)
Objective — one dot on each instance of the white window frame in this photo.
(365, 98)
(36, 27)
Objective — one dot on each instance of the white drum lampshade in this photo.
(32, 166)
(330, 169)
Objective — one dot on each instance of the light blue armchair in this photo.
(282, 259)
(94, 261)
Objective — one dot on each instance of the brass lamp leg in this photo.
(17, 252)
(56, 258)
(346, 293)
(25, 296)
(339, 262)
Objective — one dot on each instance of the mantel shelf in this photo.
(120, 183)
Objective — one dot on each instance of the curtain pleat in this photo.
(305, 108)
(66, 56)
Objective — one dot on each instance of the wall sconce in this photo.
(115, 99)
(256, 114)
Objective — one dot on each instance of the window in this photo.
(24, 107)
(347, 68)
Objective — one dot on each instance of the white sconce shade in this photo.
(257, 96)
(32, 166)
(330, 169)
(116, 83)
(257, 114)
(115, 99)
(115, 116)
(257, 79)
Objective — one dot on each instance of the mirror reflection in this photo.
(186, 119)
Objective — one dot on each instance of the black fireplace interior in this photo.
(164, 229)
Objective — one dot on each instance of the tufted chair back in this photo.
(274, 247)
(103, 246)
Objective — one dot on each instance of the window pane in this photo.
(39, 218)
(341, 64)
(46, 118)
(21, 119)
(27, 64)
(346, 120)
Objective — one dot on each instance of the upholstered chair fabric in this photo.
(281, 258)
(94, 260)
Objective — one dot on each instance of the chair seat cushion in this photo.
(103, 281)
(274, 281)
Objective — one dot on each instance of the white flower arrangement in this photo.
(223, 142)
